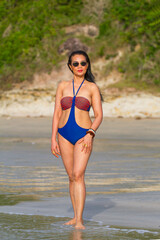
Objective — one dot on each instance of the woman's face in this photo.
(79, 65)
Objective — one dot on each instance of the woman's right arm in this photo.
(56, 116)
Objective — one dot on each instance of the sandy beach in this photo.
(122, 177)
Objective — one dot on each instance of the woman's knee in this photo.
(71, 177)
(77, 176)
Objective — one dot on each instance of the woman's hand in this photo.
(86, 141)
(55, 148)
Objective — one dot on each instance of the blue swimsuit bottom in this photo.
(72, 131)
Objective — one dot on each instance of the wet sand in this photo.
(122, 177)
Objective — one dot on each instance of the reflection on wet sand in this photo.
(76, 235)
(115, 170)
(35, 179)
(122, 166)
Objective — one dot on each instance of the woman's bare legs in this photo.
(66, 149)
(80, 163)
(75, 162)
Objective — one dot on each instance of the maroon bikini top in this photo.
(80, 102)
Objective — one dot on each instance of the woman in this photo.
(75, 129)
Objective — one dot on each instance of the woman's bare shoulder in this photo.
(93, 86)
(62, 84)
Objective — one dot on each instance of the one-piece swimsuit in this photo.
(71, 130)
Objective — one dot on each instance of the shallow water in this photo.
(19, 227)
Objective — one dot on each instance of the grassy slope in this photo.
(135, 24)
(31, 32)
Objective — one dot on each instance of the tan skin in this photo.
(75, 157)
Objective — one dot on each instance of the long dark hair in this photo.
(88, 75)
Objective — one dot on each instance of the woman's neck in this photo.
(78, 79)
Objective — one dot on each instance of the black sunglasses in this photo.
(76, 64)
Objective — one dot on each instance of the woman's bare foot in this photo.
(79, 225)
(71, 222)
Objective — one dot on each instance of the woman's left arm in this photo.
(97, 107)
(98, 116)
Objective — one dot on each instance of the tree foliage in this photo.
(154, 15)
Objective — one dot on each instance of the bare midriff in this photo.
(82, 118)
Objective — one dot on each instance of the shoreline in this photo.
(123, 210)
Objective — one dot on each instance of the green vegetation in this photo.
(32, 31)
(134, 24)
(30, 34)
